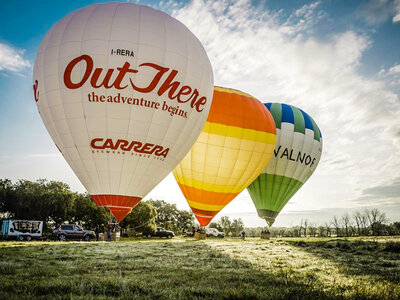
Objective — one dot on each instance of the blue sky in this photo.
(338, 60)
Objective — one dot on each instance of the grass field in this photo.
(214, 269)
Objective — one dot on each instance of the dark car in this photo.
(72, 232)
(161, 232)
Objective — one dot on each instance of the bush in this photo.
(392, 247)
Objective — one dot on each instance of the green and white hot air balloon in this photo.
(297, 153)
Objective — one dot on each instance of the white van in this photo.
(22, 230)
(214, 232)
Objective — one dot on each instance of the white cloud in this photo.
(396, 17)
(391, 76)
(394, 70)
(254, 50)
(379, 11)
(11, 59)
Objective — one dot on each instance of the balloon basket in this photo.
(114, 237)
(199, 236)
(113, 231)
(265, 235)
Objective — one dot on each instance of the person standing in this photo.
(109, 233)
(97, 231)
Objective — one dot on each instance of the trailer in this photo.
(22, 230)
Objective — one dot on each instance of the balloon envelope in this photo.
(235, 145)
(297, 153)
(124, 91)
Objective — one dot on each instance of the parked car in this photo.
(188, 234)
(161, 232)
(214, 232)
(72, 232)
(22, 230)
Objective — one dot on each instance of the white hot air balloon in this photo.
(124, 91)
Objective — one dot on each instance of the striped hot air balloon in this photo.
(297, 153)
(235, 145)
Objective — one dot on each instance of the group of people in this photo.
(111, 227)
(265, 234)
(200, 229)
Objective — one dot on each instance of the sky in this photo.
(337, 60)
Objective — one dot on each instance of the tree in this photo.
(87, 213)
(230, 228)
(303, 226)
(237, 227)
(297, 231)
(5, 189)
(170, 217)
(49, 201)
(321, 231)
(142, 218)
(167, 214)
(225, 224)
(395, 228)
(313, 229)
(376, 220)
(216, 225)
(41, 200)
(185, 220)
(364, 222)
(346, 224)
(328, 229)
(358, 220)
(336, 225)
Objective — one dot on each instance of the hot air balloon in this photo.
(124, 91)
(235, 145)
(297, 153)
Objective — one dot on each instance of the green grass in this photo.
(214, 269)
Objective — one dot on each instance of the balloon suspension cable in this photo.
(113, 221)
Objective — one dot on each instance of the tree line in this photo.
(54, 203)
(232, 228)
(366, 222)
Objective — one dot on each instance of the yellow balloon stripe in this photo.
(207, 207)
(225, 145)
(232, 91)
(240, 133)
(211, 187)
(218, 173)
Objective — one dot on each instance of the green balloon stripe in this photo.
(272, 192)
(276, 112)
(299, 123)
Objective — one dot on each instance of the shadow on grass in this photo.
(163, 270)
(357, 257)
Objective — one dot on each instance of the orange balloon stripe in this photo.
(227, 111)
(206, 197)
(204, 217)
(120, 212)
(203, 213)
(204, 221)
(116, 200)
(120, 206)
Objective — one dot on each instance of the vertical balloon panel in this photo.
(124, 91)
